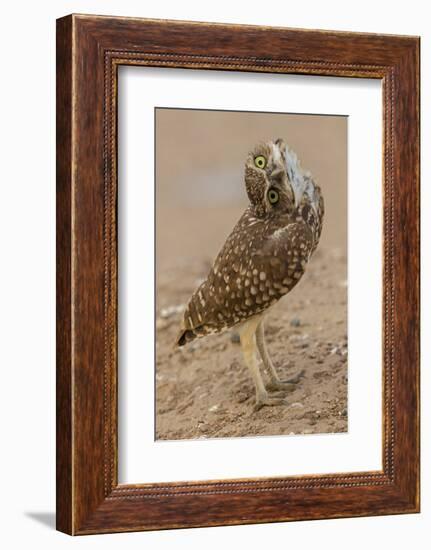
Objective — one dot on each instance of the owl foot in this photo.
(281, 385)
(269, 401)
(286, 385)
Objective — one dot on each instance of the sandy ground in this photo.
(204, 390)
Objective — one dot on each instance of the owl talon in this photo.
(281, 385)
(269, 401)
(286, 385)
(295, 379)
(279, 393)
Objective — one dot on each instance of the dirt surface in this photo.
(205, 390)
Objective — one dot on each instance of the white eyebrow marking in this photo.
(276, 152)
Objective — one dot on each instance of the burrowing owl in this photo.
(262, 259)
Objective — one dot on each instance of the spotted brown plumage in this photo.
(263, 258)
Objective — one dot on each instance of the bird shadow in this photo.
(45, 518)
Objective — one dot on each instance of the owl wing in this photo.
(211, 308)
(282, 258)
(312, 209)
(245, 283)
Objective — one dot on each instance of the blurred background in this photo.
(200, 158)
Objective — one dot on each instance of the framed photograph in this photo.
(237, 274)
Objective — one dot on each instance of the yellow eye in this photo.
(273, 196)
(260, 161)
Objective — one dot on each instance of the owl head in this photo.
(274, 179)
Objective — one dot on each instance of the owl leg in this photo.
(275, 382)
(248, 344)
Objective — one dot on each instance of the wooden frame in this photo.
(89, 51)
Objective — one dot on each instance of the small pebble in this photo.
(234, 337)
(297, 405)
(295, 322)
(213, 408)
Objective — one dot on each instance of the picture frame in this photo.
(89, 51)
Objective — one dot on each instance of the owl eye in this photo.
(273, 196)
(260, 161)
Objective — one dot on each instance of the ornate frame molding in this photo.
(89, 498)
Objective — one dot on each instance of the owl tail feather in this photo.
(191, 326)
(184, 337)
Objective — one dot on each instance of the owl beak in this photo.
(277, 173)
